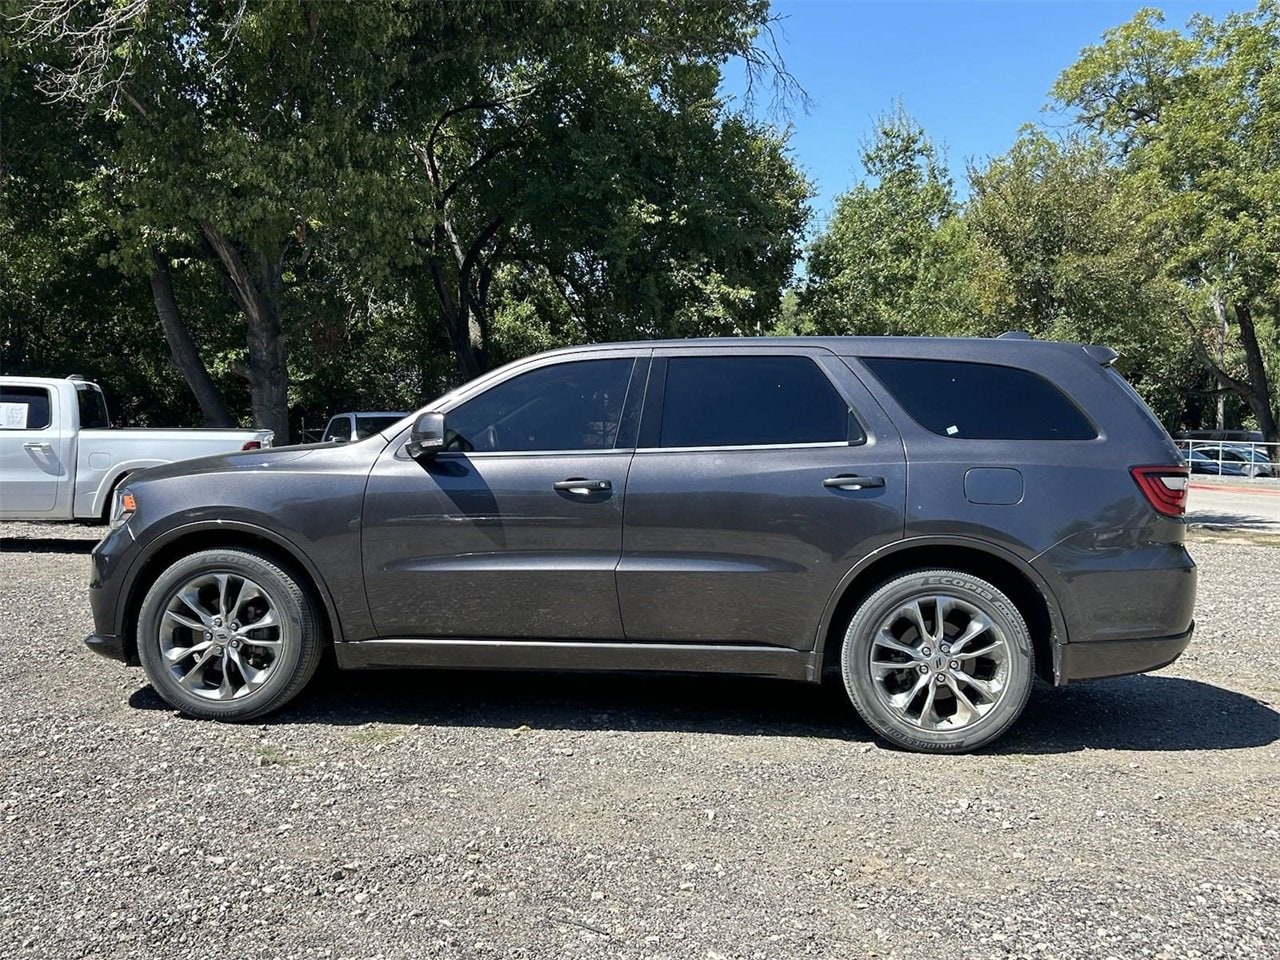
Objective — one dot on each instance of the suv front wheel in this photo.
(228, 635)
(938, 661)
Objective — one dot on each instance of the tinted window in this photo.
(368, 426)
(24, 408)
(93, 409)
(569, 406)
(980, 401)
(739, 401)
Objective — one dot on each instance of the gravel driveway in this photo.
(468, 815)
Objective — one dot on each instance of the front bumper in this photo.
(107, 646)
(1117, 658)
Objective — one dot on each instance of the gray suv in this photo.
(936, 522)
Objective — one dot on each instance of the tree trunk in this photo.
(460, 324)
(181, 347)
(1259, 396)
(258, 294)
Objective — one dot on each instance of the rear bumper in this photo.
(1118, 658)
(107, 645)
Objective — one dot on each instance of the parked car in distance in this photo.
(1251, 460)
(345, 427)
(935, 522)
(1205, 461)
(60, 459)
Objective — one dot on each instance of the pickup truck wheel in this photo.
(228, 635)
(938, 661)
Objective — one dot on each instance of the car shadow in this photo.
(46, 545)
(1132, 713)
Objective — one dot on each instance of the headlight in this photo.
(123, 508)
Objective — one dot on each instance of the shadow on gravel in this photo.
(1140, 713)
(46, 545)
(1133, 713)
(1234, 521)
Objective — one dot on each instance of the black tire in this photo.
(875, 691)
(285, 669)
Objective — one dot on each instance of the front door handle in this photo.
(582, 487)
(38, 447)
(848, 482)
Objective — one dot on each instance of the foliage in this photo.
(373, 188)
(1195, 119)
(894, 257)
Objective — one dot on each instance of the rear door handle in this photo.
(582, 487)
(37, 447)
(848, 482)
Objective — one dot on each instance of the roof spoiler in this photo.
(1104, 355)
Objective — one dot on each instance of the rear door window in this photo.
(722, 401)
(980, 401)
(25, 408)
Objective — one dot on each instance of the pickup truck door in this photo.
(36, 458)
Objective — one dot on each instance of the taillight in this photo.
(252, 445)
(1165, 488)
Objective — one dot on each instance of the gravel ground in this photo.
(467, 815)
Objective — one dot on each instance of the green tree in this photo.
(351, 163)
(894, 256)
(1057, 254)
(1195, 118)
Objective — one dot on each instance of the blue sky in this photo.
(970, 71)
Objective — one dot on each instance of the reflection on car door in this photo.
(744, 506)
(516, 532)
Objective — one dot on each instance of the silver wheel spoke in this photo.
(886, 640)
(226, 689)
(178, 654)
(185, 621)
(916, 615)
(222, 579)
(192, 599)
(977, 626)
(927, 708)
(197, 671)
(989, 689)
(268, 619)
(903, 700)
(963, 704)
(248, 591)
(253, 677)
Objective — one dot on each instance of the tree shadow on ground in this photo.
(1133, 713)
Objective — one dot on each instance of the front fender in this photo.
(204, 534)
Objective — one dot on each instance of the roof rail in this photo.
(1014, 335)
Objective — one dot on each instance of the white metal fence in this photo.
(1245, 459)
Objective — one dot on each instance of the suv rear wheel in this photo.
(228, 635)
(938, 661)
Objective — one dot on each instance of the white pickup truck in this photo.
(60, 459)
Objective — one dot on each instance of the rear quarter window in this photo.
(980, 401)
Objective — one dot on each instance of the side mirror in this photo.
(427, 438)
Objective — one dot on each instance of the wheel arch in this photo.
(1033, 597)
(192, 538)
